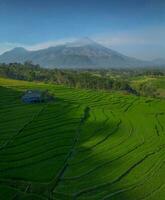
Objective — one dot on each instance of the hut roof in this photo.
(32, 94)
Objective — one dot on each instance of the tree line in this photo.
(89, 79)
(71, 78)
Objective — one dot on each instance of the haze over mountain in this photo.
(83, 53)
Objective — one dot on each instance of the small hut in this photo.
(37, 96)
(32, 96)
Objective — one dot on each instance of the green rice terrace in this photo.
(84, 145)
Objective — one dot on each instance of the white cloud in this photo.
(6, 46)
(48, 44)
(147, 43)
(152, 35)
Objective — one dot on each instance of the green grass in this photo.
(59, 151)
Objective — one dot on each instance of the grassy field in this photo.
(86, 145)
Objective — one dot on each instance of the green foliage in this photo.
(147, 89)
(71, 78)
(87, 144)
(112, 79)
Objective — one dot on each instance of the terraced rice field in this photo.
(86, 145)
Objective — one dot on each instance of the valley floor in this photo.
(86, 145)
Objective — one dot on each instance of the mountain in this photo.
(159, 61)
(18, 54)
(83, 53)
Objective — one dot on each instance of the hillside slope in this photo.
(86, 145)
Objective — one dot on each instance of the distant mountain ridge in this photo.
(83, 53)
(159, 61)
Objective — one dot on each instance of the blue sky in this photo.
(133, 27)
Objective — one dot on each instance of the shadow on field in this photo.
(95, 173)
(88, 174)
(9, 96)
(37, 175)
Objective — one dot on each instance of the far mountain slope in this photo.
(84, 53)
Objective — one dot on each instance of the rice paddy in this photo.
(86, 145)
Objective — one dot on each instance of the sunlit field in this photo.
(85, 145)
